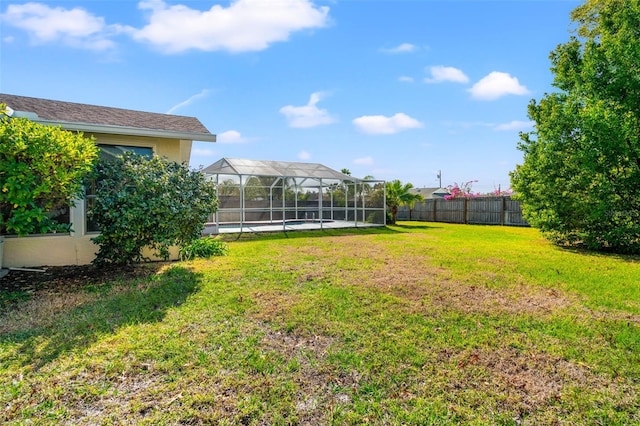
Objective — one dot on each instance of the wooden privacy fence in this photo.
(481, 211)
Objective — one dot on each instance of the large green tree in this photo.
(41, 170)
(580, 176)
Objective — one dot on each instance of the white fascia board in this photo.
(130, 131)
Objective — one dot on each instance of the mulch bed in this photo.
(66, 278)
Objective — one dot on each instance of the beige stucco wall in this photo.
(55, 250)
(52, 250)
(77, 248)
(172, 149)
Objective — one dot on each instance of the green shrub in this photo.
(203, 247)
(152, 203)
(41, 170)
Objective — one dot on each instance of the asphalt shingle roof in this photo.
(70, 112)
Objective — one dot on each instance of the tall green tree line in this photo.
(580, 178)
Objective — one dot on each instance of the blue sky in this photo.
(393, 89)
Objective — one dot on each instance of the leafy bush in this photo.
(152, 203)
(203, 247)
(579, 180)
(41, 170)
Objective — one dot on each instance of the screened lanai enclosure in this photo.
(257, 195)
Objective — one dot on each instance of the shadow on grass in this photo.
(141, 301)
(582, 251)
(415, 225)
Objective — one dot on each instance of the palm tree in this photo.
(412, 199)
(399, 194)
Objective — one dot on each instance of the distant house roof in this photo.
(430, 192)
(236, 166)
(100, 119)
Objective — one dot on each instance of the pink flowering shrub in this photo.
(461, 191)
(465, 191)
(501, 193)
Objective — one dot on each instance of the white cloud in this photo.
(230, 136)
(382, 125)
(304, 155)
(514, 125)
(73, 27)
(405, 79)
(245, 25)
(203, 93)
(496, 85)
(308, 115)
(402, 48)
(202, 155)
(367, 161)
(440, 74)
(203, 152)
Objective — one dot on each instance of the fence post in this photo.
(466, 210)
(435, 209)
(503, 212)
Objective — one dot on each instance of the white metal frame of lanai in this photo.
(363, 203)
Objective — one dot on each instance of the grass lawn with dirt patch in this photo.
(420, 323)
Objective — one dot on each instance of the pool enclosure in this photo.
(257, 195)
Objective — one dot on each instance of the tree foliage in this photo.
(399, 194)
(151, 203)
(581, 171)
(41, 169)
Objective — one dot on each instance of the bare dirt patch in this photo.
(127, 398)
(530, 383)
(314, 383)
(414, 277)
(39, 296)
(273, 305)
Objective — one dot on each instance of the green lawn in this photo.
(420, 323)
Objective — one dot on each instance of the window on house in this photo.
(61, 214)
(107, 153)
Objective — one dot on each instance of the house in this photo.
(430, 193)
(114, 129)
